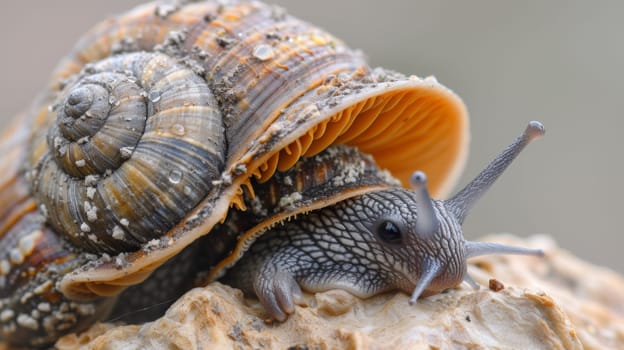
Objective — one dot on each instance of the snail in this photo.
(198, 141)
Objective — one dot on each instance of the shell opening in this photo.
(413, 127)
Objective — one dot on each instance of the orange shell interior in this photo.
(405, 130)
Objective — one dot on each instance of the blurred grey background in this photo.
(561, 62)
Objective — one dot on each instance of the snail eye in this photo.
(389, 232)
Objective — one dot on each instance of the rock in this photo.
(558, 302)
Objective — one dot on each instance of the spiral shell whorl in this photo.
(137, 141)
(94, 130)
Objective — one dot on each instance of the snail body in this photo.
(238, 133)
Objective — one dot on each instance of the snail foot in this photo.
(278, 293)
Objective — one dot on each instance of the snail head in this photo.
(426, 234)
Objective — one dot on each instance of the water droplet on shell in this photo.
(154, 96)
(178, 129)
(263, 52)
(126, 152)
(188, 191)
(175, 176)
(16, 256)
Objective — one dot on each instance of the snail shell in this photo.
(129, 153)
(157, 119)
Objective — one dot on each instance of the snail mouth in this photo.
(405, 124)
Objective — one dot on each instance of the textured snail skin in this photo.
(338, 247)
(384, 240)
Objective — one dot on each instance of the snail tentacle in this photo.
(428, 273)
(472, 283)
(474, 249)
(461, 202)
(427, 223)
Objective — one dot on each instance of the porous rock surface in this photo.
(558, 302)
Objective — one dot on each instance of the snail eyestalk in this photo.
(426, 222)
(461, 203)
